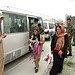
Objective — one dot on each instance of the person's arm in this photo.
(3, 35)
(41, 39)
(52, 43)
(66, 44)
(72, 31)
(0, 39)
(31, 32)
(42, 31)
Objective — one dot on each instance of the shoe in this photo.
(70, 54)
(65, 56)
(59, 71)
(34, 67)
(36, 70)
(42, 50)
(73, 45)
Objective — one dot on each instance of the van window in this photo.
(45, 25)
(51, 26)
(14, 23)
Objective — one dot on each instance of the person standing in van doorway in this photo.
(35, 25)
(70, 32)
(1, 47)
(41, 31)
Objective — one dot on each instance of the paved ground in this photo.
(23, 66)
(69, 65)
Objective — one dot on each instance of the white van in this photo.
(49, 29)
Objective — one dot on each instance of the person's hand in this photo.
(3, 35)
(51, 52)
(69, 35)
(60, 53)
(31, 41)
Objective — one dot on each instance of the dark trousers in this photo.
(57, 64)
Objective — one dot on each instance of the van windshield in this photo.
(51, 26)
(45, 25)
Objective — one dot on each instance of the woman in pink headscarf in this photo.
(59, 46)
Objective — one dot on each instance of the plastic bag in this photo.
(48, 58)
